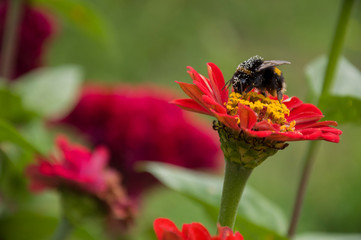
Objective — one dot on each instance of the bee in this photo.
(259, 74)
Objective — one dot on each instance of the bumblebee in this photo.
(259, 74)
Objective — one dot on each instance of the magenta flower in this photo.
(139, 124)
(80, 170)
(34, 32)
(253, 114)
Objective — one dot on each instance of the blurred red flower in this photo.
(77, 168)
(139, 124)
(167, 230)
(34, 31)
(253, 114)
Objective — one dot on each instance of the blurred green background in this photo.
(154, 41)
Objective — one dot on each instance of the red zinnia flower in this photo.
(35, 29)
(139, 124)
(253, 114)
(167, 230)
(78, 169)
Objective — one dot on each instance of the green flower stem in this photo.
(234, 181)
(308, 163)
(10, 38)
(336, 49)
(63, 229)
(337, 45)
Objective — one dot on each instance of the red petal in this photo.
(321, 134)
(292, 103)
(225, 233)
(229, 121)
(191, 105)
(192, 91)
(247, 117)
(260, 134)
(217, 83)
(286, 136)
(166, 229)
(200, 81)
(328, 134)
(212, 104)
(306, 107)
(195, 231)
(266, 126)
(316, 125)
(305, 113)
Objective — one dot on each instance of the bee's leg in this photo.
(279, 95)
(258, 81)
(227, 84)
(247, 90)
(241, 87)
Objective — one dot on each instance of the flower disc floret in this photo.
(265, 108)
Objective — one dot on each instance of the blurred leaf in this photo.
(343, 103)
(50, 91)
(84, 15)
(9, 134)
(341, 109)
(12, 108)
(22, 225)
(38, 216)
(327, 236)
(40, 226)
(207, 190)
(36, 132)
(13, 184)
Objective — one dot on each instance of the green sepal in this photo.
(243, 149)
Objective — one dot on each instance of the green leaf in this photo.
(328, 236)
(12, 108)
(206, 189)
(8, 133)
(84, 15)
(343, 102)
(38, 216)
(40, 226)
(36, 132)
(50, 92)
(341, 109)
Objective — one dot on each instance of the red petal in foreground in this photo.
(165, 229)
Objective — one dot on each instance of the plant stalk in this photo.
(63, 229)
(337, 45)
(10, 38)
(307, 167)
(335, 52)
(234, 181)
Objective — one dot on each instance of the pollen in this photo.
(288, 127)
(244, 70)
(266, 109)
(277, 71)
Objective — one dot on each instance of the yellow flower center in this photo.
(265, 108)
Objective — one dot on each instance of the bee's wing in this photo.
(271, 63)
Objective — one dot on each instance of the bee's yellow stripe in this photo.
(277, 71)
